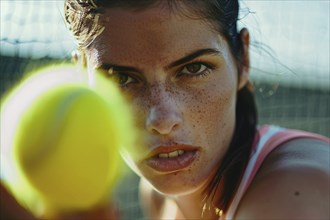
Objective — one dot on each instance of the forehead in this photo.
(155, 32)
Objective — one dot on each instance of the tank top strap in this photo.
(266, 140)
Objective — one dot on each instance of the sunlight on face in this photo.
(181, 80)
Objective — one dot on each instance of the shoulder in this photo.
(292, 183)
(10, 208)
(150, 200)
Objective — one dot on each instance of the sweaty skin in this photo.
(181, 79)
(190, 103)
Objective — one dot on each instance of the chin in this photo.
(173, 185)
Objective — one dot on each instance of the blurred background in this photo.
(289, 61)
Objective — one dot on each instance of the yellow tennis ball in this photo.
(67, 147)
(65, 144)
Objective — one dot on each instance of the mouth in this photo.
(168, 159)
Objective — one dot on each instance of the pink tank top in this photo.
(268, 138)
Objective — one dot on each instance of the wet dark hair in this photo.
(80, 16)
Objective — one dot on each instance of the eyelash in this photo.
(208, 68)
(105, 71)
(134, 80)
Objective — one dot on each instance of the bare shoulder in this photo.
(293, 183)
(151, 201)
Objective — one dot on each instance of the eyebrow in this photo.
(193, 55)
(119, 68)
(183, 60)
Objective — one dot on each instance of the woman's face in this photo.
(181, 80)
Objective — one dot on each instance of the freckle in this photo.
(297, 193)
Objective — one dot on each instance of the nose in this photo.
(164, 116)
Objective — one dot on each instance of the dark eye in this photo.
(194, 69)
(122, 79)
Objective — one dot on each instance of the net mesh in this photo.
(292, 91)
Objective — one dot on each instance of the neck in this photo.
(193, 206)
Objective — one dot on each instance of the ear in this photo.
(78, 57)
(243, 77)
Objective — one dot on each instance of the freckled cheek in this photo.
(214, 115)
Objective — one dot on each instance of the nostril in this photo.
(163, 122)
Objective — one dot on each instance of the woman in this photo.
(184, 68)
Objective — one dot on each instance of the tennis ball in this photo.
(64, 146)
